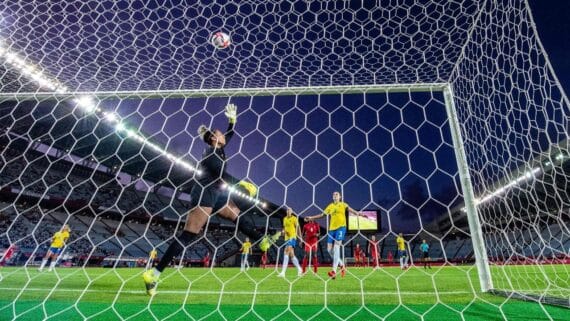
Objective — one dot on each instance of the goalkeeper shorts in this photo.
(204, 196)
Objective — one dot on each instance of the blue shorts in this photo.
(402, 253)
(291, 242)
(55, 250)
(337, 235)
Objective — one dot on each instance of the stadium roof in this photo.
(60, 125)
(529, 193)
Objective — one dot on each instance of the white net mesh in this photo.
(515, 120)
(99, 106)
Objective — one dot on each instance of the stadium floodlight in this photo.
(120, 127)
(30, 71)
(87, 103)
(111, 117)
(512, 183)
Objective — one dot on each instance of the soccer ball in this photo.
(220, 40)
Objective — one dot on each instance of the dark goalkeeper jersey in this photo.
(213, 164)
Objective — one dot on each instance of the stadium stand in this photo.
(110, 219)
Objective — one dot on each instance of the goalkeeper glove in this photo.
(275, 236)
(265, 244)
(249, 187)
(231, 113)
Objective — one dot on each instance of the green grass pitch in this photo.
(443, 293)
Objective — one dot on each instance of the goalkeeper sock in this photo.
(175, 248)
(315, 264)
(296, 263)
(305, 261)
(285, 263)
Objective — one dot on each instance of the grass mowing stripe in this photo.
(477, 311)
(225, 294)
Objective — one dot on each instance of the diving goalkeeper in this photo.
(209, 196)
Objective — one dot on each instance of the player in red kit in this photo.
(390, 256)
(206, 260)
(373, 251)
(358, 255)
(263, 259)
(311, 232)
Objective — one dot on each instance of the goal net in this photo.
(439, 120)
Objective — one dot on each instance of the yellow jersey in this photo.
(401, 243)
(59, 239)
(337, 211)
(153, 254)
(245, 247)
(290, 227)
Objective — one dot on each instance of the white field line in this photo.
(243, 292)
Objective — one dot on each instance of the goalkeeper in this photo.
(208, 196)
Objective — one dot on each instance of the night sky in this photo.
(551, 18)
(390, 152)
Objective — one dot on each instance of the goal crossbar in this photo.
(236, 92)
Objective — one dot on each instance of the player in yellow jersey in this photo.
(151, 257)
(290, 231)
(402, 253)
(337, 230)
(245, 252)
(57, 243)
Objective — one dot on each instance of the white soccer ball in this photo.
(220, 40)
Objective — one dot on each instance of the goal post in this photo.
(481, 257)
